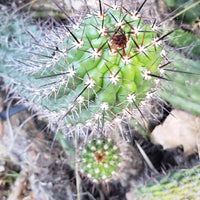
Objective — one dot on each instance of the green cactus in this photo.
(187, 42)
(104, 159)
(185, 92)
(14, 40)
(180, 184)
(100, 159)
(190, 16)
(89, 75)
(108, 63)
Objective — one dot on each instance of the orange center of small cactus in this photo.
(99, 157)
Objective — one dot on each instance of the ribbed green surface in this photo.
(180, 185)
(102, 65)
(100, 159)
(184, 90)
(13, 38)
(187, 42)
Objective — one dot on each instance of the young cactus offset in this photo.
(94, 71)
(100, 159)
(105, 159)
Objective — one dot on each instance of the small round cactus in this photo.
(104, 159)
(100, 159)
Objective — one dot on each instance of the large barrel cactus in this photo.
(97, 69)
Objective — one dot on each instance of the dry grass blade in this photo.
(147, 160)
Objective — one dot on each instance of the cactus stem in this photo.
(76, 68)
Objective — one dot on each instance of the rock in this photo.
(180, 128)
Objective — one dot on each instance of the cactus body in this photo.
(190, 16)
(105, 159)
(107, 63)
(185, 89)
(182, 184)
(190, 42)
(100, 159)
(13, 38)
(91, 72)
